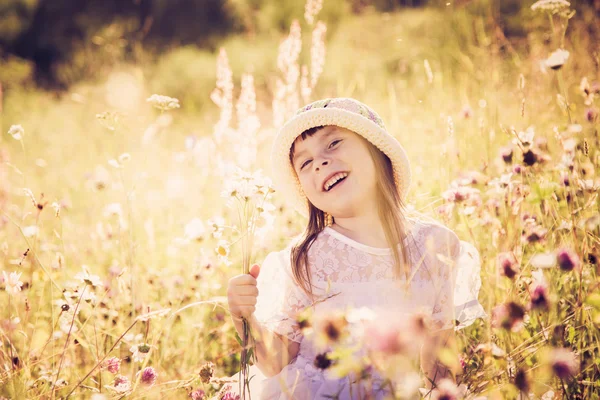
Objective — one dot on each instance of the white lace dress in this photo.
(362, 276)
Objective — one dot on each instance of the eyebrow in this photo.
(323, 136)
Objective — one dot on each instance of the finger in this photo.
(255, 270)
(247, 311)
(247, 290)
(245, 279)
(245, 300)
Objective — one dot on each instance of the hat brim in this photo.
(284, 176)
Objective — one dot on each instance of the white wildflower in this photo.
(163, 103)
(222, 248)
(87, 278)
(123, 158)
(217, 223)
(109, 119)
(356, 315)
(113, 210)
(543, 260)
(66, 321)
(16, 131)
(140, 352)
(56, 206)
(120, 385)
(114, 163)
(222, 251)
(29, 194)
(557, 59)
(131, 337)
(153, 314)
(525, 137)
(195, 230)
(30, 231)
(12, 282)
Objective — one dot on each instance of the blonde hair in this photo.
(391, 213)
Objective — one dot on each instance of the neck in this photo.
(365, 228)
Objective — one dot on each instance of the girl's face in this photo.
(336, 171)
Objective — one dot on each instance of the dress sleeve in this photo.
(457, 281)
(446, 247)
(280, 300)
(468, 283)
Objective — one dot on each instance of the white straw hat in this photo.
(343, 112)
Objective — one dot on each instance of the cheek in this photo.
(312, 194)
(307, 185)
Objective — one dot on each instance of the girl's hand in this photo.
(242, 294)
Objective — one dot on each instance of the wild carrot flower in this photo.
(109, 119)
(112, 364)
(551, 6)
(149, 376)
(16, 131)
(163, 103)
(12, 282)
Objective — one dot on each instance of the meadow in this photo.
(120, 226)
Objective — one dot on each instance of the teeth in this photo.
(334, 179)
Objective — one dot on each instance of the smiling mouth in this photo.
(329, 186)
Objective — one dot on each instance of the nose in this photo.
(321, 163)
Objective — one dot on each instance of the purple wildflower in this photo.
(112, 364)
(149, 376)
(567, 260)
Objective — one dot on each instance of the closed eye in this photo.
(335, 142)
(331, 145)
(305, 163)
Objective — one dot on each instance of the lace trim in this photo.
(381, 251)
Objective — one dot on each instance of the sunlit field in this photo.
(121, 200)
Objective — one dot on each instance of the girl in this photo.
(336, 163)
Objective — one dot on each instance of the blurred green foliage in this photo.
(61, 42)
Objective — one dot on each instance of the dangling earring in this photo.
(328, 219)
